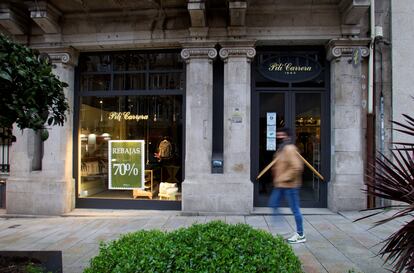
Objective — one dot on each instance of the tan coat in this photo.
(288, 168)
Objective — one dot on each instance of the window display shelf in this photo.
(150, 187)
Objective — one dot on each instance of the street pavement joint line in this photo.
(344, 254)
(267, 223)
(350, 235)
(310, 249)
(361, 224)
(163, 226)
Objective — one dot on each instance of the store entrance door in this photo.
(302, 111)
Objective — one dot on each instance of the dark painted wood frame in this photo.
(100, 203)
(290, 93)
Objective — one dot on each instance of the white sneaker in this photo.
(296, 238)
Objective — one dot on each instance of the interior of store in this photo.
(157, 120)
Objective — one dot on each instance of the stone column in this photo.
(237, 129)
(402, 67)
(348, 112)
(198, 128)
(49, 190)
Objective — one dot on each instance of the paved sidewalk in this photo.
(335, 243)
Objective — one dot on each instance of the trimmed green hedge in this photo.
(211, 247)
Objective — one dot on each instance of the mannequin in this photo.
(164, 150)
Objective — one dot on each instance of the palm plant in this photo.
(393, 179)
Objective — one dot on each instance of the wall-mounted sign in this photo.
(126, 116)
(236, 117)
(271, 131)
(126, 164)
(290, 69)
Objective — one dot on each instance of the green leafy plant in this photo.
(31, 95)
(393, 179)
(32, 268)
(211, 247)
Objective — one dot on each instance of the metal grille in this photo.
(5, 143)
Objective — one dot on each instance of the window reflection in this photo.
(132, 71)
(308, 140)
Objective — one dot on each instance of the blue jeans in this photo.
(292, 196)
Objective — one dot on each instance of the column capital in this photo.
(198, 53)
(344, 47)
(67, 56)
(248, 52)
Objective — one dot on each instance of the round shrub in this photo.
(211, 247)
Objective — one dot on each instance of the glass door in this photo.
(308, 140)
(302, 112)
(272, 115)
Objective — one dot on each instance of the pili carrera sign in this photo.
(290, 69)
(126, 116)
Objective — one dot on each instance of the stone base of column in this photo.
(38, 196)
(345, 193)
(217, 196)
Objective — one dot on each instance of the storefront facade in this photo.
(174, 105)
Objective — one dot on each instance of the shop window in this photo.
(95, 63)
(165, 61)
(156, 120)
(130, 62)
(96, 82)
(129, 81)
(165, 81)
(124, 116)
(131, 71)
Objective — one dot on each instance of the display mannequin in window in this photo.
(165, 150)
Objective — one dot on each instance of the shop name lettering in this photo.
(289, 68)
(126, 116)
(129, 151)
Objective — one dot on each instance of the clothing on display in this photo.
(164, 149)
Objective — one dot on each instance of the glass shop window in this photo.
(154, 120)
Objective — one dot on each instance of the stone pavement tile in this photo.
(174, 223)
(352, 249)
(215, 218)
(156, 222)
(327, 254)
(198, 219)
(382, 231)
(73, 269)
(79, 266)
(33, 234)
(81, 252)
(279, 225)
(71, 226)
(105, 233)
(235, 219)
(131, 226)
(17, 231)
(309, 263)
(8, 226)
(73, 238)
(103, 237)
(357, 232)
(111, 225)
(256, 221)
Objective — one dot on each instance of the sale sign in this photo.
(126, 164)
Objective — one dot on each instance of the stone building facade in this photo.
(222, 46)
